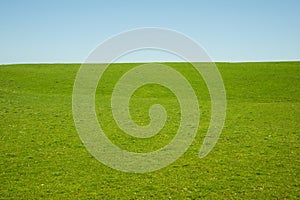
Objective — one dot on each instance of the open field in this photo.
(257, 155)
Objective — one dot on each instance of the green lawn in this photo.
(257, 155)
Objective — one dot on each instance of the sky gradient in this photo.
(54, 31)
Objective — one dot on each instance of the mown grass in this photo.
(257, 155)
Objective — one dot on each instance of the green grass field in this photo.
(256, 157)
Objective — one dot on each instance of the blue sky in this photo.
(230, 30)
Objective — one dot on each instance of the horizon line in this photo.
(221, 61)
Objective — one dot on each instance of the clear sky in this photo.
(68, 30)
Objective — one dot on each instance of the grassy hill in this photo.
(257, 155)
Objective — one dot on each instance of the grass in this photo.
(257, 155)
